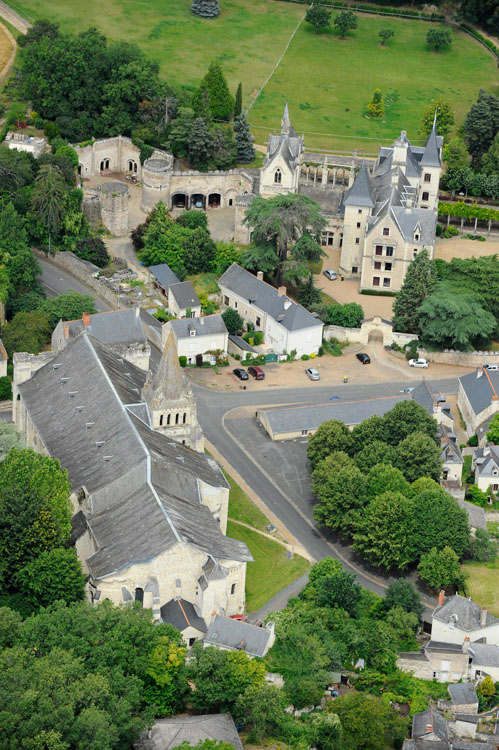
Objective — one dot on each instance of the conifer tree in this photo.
(238, 106)
(205, 8)
(221, 101)
(310, 295)
(201, 104)
(376, 108)
(244, 140)
(200, 144)
(418, 285)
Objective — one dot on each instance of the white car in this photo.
(418, 362)
(330, 274)
(312, 373)
(492, 368)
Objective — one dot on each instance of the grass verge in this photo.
(481, 584)
(242, 509)
(271, 571)
(204, 283)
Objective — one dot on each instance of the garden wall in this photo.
(465, 359)
(373, 327)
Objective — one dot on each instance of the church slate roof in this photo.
(111, 328)
(182, 615)
(266, 298)
(468, 613)
(168, 382)
(288, 144)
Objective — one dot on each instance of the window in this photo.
(184, 418)
(386, 282)
(327, 239)
(388, 266)
(379, 250)
(277, 177)
(427, 177)
(377, 265)
(193, 313)
(258, 322)
(386, 232)
(425, 196)
(357, 240)
(161, 421)
(139, 595)
(414, 252)
(416, 238)
(304, 433)
(168, 419)
(192, 641)
(360, 211)
(235, 305)
(233, 589)
(176, 418)
(355, 269)
(226, 300)
(358, 224)
(389, 252)
(375, 280)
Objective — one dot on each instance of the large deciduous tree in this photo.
(332, 435)
(55, 575)
(233, 321)
(342, 497)
(438, 521)
(417, 286)
(418, 456)
(441, 569)
(345, 21)
(438, 38)
(402, 593)
(384, 532)
(405, 418)
(319, 16)
(279, 222)
(368, 723)
(340, 590)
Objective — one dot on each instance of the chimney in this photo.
(259, 275)
(66, 331)
(281, 291)
(201, 321)
(466, 644)
(429, 729)
(441, 598)
(86, 319)
(483, 617)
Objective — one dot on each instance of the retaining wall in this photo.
(73, 265)
(465, 359)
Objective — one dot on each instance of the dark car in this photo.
(364, 358)
(257, 372)
(240, 373)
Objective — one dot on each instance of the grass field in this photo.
(271, 571)
(242, 509)
(328, 81)
(481, 584)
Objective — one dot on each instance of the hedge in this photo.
(483, 40)
(376, 293)
(379, 10)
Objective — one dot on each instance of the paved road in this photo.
(19, 23)
(56, 281)
(228, 435)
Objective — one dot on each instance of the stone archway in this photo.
(198, 200)
(132, 166)
(214, 200)
(375, 336)
(105, 165)
(179, 200)
(377, 330)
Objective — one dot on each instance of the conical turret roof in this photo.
(361, 193)
(431, 156)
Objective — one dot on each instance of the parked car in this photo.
(257, 372)
(330, 274)
(312, 373)
(492, 368)
(240, 373)
(364, 358)
(421, 362)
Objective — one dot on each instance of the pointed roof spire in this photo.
(431, 153)
(361, 193)
(285, 122)
(168, 383)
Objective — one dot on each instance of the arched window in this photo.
(176, 417)
(168, 419)
(277, 176)
(233, 588)
(184, 418)
(161, 421)
(139, 595)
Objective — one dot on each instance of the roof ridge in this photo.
(179, 602)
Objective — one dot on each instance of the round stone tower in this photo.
(156, 175)
(114, 198)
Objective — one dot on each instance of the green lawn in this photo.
(482, 584)
(241, 508)
(328, 81)
(271, 571)
(204, 283)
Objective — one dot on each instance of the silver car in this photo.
(330, 274)
(312, 373)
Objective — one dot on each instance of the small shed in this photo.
(239, 346)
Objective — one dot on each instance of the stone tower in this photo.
(431, 168)
(281, 168)
(170, 400)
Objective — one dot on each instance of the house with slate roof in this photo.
(170, 733)
(235, 635)
(150, 511)
(286, 325)
(431, 730)
(183, 301)
(196, 337)
(123, 331)
(485, 466)
(478, 399)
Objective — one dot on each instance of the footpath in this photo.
(15, 20)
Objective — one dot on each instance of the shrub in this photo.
(93, 250)
(305, 357)
(182, 360)
(473, 441)
(375, 293)
(439, 230)
(5, 389)
(451, 231)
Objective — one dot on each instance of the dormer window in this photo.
(192, 332)
(277, 177)
(416, 238)
(386, 232)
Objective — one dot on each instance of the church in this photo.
(150, 507)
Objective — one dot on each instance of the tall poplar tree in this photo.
(418, 285)
(238, 106)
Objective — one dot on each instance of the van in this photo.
(257, 372)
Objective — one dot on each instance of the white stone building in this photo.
(478, 399)
(286, 325)
(150, 513)
(485, 466)
(183, 301)
(196, 337)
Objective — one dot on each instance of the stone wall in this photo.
(377, 326)
(465, 359)
(419, 666)
(73, 265)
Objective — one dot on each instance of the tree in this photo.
(280, 221)
(456, 154)
(233, 321)
(376, 108)
(490, 160)
(454, 321)
(55, 575)
(485, 13)
(339, 590)
(180, 132)
(445, 116)
(384, 532)
(319, 16)
(238, 104)
(332, 435)
(441, 569)
(244, 140)
(402, 593)
(342, 498)
(438, 38)
(481, 548)
(221, 101)
(205, 744)
(368, 723)
(23, 270)
(481, 125)
(417, 286)
(405, 418)
(199, 252)
(67, 306)
(193, 220)
(404, 625)
(166, 684)
(226, 253)
(94, 250)
(349, 315)
(224, 149)
(419, 456)
(385, 35)
(205, 8)
(261, 708)
(493, 433)
(386, 478)
(200, 144)
(377, 452)
(35, 511)
(310, 295)
(48, 199)
(26, 332)
(438, 521)
(69, 153)
(345, 21)
(367, 431)
(326, 729)
(9, 438)
(487, 688)
(40, 29)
